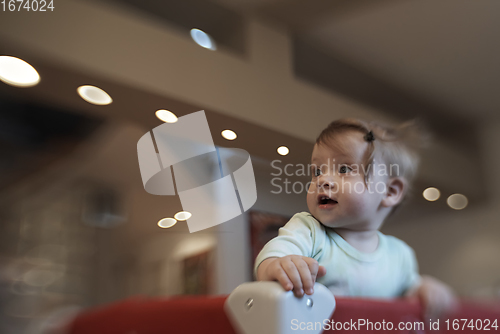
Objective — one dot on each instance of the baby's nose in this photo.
(326, 182)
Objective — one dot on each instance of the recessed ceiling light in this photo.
(431, 194)
(229, 134)
(283, 150)
(166, 116)
(203, 39)
(17, 72)
(167, 222)
(457, 201)
(182, 215)
(94, 95)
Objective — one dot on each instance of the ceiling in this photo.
(433, 60)
(443, 52)
(397, 56)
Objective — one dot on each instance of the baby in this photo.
(361, 172)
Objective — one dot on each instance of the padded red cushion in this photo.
(204, 314)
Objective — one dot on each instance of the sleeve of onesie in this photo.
(297, 237)
(412, 277)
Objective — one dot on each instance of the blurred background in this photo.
(77, 228)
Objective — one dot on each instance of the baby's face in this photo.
(338, 196)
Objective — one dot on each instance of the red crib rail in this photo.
(205, 314)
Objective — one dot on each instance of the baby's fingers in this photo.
(305, 275)
(315, 269)
(321, 271)
(446, 302)
(293, 275)
(437, 304)
(432, 307)
(281, 276)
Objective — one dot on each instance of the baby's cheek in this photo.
(311, 198)
(366, 204)
(358, 204)
(312, 191)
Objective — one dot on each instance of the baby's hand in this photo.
(437, 298)
(293, 272)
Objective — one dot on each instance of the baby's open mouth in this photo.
(322, 200)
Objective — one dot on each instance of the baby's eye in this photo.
(317, 172)
(344, 169)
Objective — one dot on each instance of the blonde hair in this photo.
(397, 145)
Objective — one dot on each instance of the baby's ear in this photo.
(395, 191)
